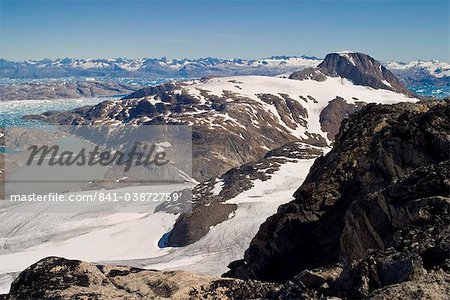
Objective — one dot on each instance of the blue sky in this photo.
(387, 30)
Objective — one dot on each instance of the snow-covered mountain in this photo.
(435, 68)
(125, 67)
(430, 78)
(238, 119)
(254, 140)
(153, 68)
(359, 68)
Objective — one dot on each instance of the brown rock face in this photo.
(361, 69)
(435, 285)
(384, 185)
(334, 113)
(59, 278)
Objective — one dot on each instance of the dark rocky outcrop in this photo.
(160, 90)
(359, 68)
(59, 278)
(308, 73)
(335, 112)
(384, 187)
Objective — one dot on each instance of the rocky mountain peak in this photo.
(359, 68)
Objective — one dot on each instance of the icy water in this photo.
(425, 90)
(11, 112)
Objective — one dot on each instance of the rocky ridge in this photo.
(359, 68)
(58, 278)
(378, 204)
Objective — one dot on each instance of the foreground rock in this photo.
(384, 186)
(59, 278)
(62, 90)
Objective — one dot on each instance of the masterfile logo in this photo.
(103, 163)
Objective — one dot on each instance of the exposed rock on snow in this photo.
(235, 119)
(210, 206)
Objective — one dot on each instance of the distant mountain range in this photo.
(422, 75)
(163, 67)
(427, 78)
(152, 67)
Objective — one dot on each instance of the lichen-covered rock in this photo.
(59, 278)
(384, 185)
(434, 285)
(378, 269)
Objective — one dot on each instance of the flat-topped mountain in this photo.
(359, 68)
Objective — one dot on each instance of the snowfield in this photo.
(228, 240)
(95, 233)
(321, 92)
(105, 235)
